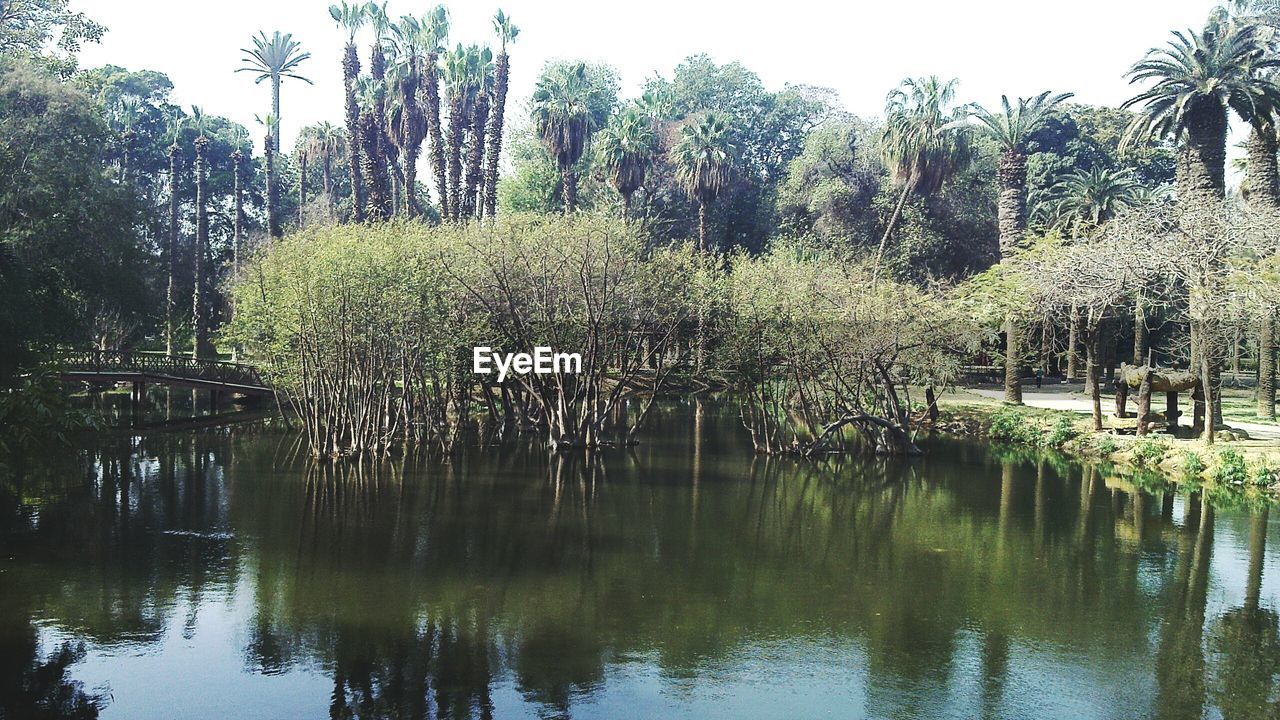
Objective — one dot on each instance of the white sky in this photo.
(1019, 47)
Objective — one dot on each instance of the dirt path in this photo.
(1077, 402)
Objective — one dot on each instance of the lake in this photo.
(216, 573)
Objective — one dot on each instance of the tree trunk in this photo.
(350, 71)
(170, 306)
(275, 110)
(702, 227)
(1012, 207)
(1092, 346)
(570, 177)
(884, 239)
(302, 188)
(1144, 400)
(327, 179)
(1202, 156)
(456, 107)
(475, 157)
(200, 310)
(1267, 366)
(1139, 330)
(1073, 344)
(237, 221)
(273, 191)
(494, 149)
(435, 133)
(1261, 186)
(1012, 361)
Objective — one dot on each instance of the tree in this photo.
(377, 18)
(1010, 129)
(269, 123)
(481, 90)
(507, 33)
(350, 17)
(1083, 201)
(28, 29)
(704, 158)
(200, 303)
(624, 150)
(242, 143)
(378, 197)
(411, 128)
(435, 29)
(565, 113)
(171, 299)
(922, 142)
(274, 59)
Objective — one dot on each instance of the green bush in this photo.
(1265, 476)
(1148, 453)
(1230, 468)
(1062, 432)
(1192, 463)
(1105, 444)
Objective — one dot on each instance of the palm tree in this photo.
(1083, 201)
(922, 141)
(704, 158)
(410, 130)
(507, 33)
(562, 106)
(351, 17)
(273, 189)
(274, 59)
(371, 93)
(329, 141)
(200, 301)
(1010, 128)
(624, 149)
(457, 80)
(435, 31)
(302, 151)
(482, 91)
(175, 161)
(376, 15)
(240, 140)
(1197, 77)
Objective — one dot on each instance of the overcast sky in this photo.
(861, 49)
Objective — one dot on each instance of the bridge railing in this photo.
(108, 361)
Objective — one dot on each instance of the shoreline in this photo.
(1246, 469)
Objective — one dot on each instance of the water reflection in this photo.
(684, 578)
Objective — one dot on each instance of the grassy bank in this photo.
(1249, 468)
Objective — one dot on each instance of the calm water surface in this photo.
(214, 574)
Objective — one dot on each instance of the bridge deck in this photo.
(123, 366)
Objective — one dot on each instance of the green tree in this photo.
(1084, 200)
(624, 150)
(567, 108)
(350, 17)
(922, 141)
(705, 157)
(507, 33)
(46, 32)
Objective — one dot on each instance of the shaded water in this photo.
(211, 574)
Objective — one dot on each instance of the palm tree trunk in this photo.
(237, 222)
(1139, 330)
(200, 316)
(1267, 366)
(375, 171)
(302, 187)
(273, 191)
(475, 158)
(1012, 361)
(884, 239)
(431, 83)
(626, 208)
(456, 123)
(570, 189)
(350, 71)
(170, 306)
(1073, 344)
(1203, 154)
(494, 149)
(1012, 207)
(275, 109)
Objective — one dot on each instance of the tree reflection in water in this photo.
(683, 577)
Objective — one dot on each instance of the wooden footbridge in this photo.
(141, 368)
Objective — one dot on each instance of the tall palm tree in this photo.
(435, 32)
(274, 59)
(378, 197)
(273, 188)
(704, 158)
(922, 141)
(1083, 201)
(175, 162)
(240, 140)
(482, 81)
(1197, 77)
(376, 15)
(624, 149)
(507, 33)
(200, 300)
(457, 81)
(1010, 128)
(411, 129)
(351, 17)
(562, 105)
